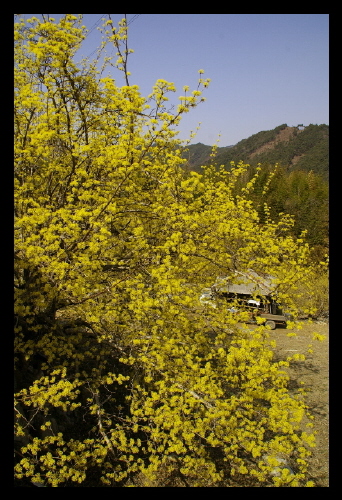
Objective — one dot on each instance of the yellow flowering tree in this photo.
(120, 371)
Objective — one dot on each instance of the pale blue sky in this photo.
(265, 69)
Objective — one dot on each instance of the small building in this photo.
(253, 292)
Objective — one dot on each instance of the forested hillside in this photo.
(295, 148)
(297, 186)
(304, 195)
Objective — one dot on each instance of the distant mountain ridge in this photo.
(296, 148)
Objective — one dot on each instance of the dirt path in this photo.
(314, 372)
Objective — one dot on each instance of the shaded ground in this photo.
(314, 372)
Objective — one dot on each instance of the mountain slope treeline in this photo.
(298, 185)
(295, 148)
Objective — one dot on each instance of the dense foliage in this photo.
(301, 193)
(120, 372)
(304, 195)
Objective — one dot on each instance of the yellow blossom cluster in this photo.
(120, 369)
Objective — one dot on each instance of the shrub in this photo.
(113, 243)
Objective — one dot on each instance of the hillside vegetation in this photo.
(295, 148)
(298, 185)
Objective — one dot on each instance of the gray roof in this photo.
(247, 283)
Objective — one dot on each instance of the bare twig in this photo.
(104, 435)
